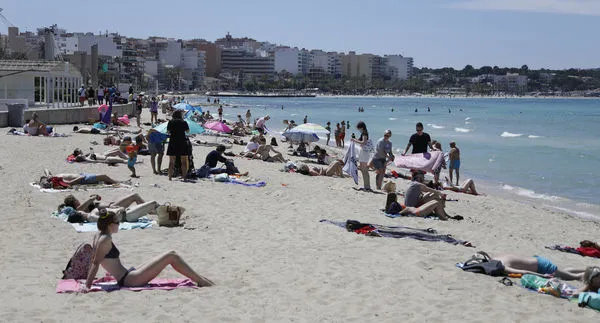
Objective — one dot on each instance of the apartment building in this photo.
(240, 62)
(398, 67)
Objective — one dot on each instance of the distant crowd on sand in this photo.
(362, 155)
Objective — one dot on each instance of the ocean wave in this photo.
(534, 136)
(294, 114)
(467, 118)
(462, 130)
(529, 193)
(467, 122)
(392, 119)
(434, 126)
(510, 135)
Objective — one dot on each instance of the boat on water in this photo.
(263, 95)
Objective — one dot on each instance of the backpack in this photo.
(80, 263)
(481, 263)
(589, 299)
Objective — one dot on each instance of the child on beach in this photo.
(156, 147)
(132, 154)
(454, 158)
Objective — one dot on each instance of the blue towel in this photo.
(259, 184)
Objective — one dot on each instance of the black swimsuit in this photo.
(114, 253)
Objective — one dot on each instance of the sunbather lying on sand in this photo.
(334, 169)
(114, 157)
(93, 130)
(537, 265)
(107, 255)
(83, 179)
(467, 186)
(90, 209)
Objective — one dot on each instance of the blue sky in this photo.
(436, 33)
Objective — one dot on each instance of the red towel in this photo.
(589, 251)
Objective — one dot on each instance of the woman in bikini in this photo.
(431, 207)
(107, 255)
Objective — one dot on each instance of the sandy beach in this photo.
(268, 254)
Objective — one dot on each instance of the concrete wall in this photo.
(3, 119)
(54, 116)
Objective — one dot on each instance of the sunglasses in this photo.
(419, 130)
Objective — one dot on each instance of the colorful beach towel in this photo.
(378, 230)
(350, 163)
(426, 161)
(109, 284)
(84, 187)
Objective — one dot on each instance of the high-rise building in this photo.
(238, 61)
(398, 67)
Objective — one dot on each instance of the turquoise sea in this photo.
(545, 151)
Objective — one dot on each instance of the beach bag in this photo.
(589, 299)
(168, 215)
(80, 263)
(481, 263)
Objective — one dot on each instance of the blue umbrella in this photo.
(194, 127)
(300, 136)
(182, 106)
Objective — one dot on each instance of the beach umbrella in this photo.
(312, 128)
(194, 127)
(217, 126)
(183, 106)
(300, 136)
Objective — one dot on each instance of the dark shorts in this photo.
(156, 147)
(379, 163)
(89, 179)
(455, 164)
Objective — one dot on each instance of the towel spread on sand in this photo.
(109, 284)
(84, 187)
(582, 251)
(399, 232)
(426, 161)
(143, 223)
(235, 181)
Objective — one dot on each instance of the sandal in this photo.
(506, 281)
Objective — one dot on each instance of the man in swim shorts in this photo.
(537, 265)
(454, 158)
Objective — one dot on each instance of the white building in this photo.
(171, 55)
(398, 67)
(108, 45)
(288, 59)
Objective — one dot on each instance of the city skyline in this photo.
(554, 34)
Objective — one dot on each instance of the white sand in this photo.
(268, 254)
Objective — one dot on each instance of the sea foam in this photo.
(434, 126)
(529, 193)
(510, 135)
(392, 119)
(533, 136)
(462, 130)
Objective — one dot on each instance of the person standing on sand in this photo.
(260, 124)
(220, 111)
(177, 129)
(328, 127)
(419, 141)
(383, 154)
(336, 134)
(248, 116)
(305, 119)
(366, 148)
(454, 157)
(343, 134)
(82, 95)
(139, 103)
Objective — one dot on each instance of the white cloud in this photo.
(577, 7)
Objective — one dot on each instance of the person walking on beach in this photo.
(383, 154)
(419, 141)
(248, 116)
(305, 119)
(139, 102)
(343, 134)
(100, 94)
(336, 134)
(454, 157)
(366, 148)
(153, 111)
(91, 96)
(328, 127)
(82, 95)
(220, 111)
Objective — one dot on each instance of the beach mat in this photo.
(398, 232)
(109, 284)
(84, 187)
(582, 251)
